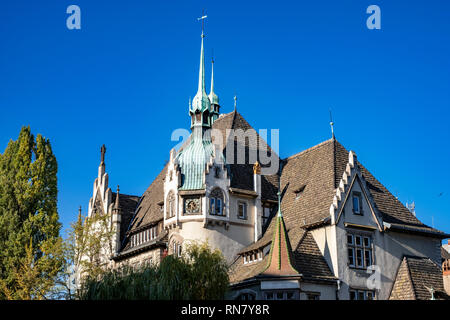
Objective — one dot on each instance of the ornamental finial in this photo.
(202, 18)
(331, 125)
(116, 205)
(279, 204)
(256, 168)
(102, 154)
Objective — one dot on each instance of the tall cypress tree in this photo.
(31, 255)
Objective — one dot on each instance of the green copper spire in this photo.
(195, 157)
(201, 100)
(280, 214)
(212, 96)
(280, 255)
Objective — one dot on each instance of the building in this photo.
(320, 226)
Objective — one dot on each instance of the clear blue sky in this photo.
(125, 78)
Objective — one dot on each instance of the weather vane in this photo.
(202, 18)
(331, 124)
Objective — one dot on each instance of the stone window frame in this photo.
(285, 295)
(170, 205)
(213, 197)
(357, 194)
(176, 249)
(366, 259)
(244, 296)
(311, 294)
(245, 205)
(357, 294)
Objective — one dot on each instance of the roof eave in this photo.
(412, 230)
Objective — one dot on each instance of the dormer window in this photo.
(298, 192)
(253, 256)
(357, 203)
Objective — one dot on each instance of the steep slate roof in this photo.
(148, 211)
(308, 258)
(414, 275)
(128, 249)
(317, 172)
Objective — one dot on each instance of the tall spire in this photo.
(201, 100)
(193, 159)
(201, 73)
(212, 95)
(213, 98)
(280, 255)
(116, 204)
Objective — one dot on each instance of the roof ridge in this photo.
(334, 161)
(309, 149)
(126, 195)
(223, 116)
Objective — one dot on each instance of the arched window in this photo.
(216, 203)
(170, 205)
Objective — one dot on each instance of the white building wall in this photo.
(388, 250)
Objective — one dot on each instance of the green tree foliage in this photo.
(90, 244)
(199, 274)
(31, 255)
